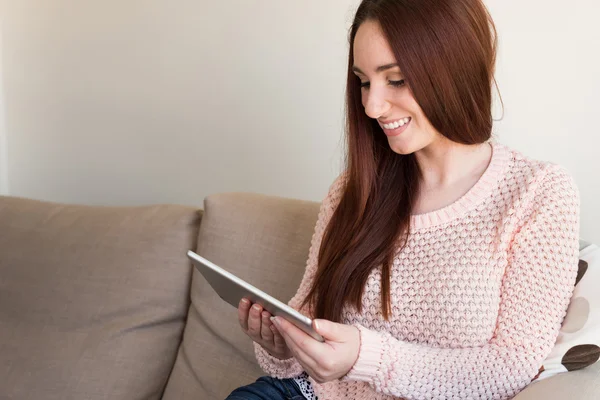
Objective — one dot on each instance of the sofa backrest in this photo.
(264, 240)
(93, 300)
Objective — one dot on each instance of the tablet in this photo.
(232, 289)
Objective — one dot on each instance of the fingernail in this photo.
(275, 320)
(245, 302)
(256, 307)
(316, 324)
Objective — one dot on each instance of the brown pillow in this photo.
(264, 240)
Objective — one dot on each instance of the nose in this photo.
(376, 104)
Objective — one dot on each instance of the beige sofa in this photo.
(102, 303)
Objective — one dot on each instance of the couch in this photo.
(101, 302)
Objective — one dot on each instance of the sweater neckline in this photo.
(478, 192)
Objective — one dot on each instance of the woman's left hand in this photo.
(323, 361)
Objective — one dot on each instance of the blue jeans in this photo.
(268, 388)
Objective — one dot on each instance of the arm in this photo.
(290, 367)
(536, 291)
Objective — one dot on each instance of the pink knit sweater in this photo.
(478, 293)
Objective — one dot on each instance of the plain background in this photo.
(137, 102)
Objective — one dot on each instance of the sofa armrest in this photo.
(583, 384)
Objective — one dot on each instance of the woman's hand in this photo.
(326, 361)
(256, 323)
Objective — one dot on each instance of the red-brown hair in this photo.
(446, 50)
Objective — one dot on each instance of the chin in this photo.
(408, 146)
(402, 149)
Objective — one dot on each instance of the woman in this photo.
(442, 263)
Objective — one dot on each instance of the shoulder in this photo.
(333, 197)
(337, 187)
(541, 182)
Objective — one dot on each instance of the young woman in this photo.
(442, 262)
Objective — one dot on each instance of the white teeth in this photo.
(397, 124)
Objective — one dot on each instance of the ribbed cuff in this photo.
(369, 356)
(274, 366)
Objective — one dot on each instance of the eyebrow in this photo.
(379, 69)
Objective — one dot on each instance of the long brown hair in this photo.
(446, 50)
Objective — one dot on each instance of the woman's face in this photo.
(386, 96)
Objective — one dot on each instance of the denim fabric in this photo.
(268, 388)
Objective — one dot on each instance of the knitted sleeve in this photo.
(291, 368)
(536, 290)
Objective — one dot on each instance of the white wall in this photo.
(548, 76)
(112, 102)
(135, 102)
(4, 190)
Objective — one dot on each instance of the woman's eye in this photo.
(397, 83)
(393, 83)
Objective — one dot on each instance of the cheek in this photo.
(363, 97)
(415, 111)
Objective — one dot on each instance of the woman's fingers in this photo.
(243, 308)
(300, 343)
(277, 338)
(265, 330)
(254, 322)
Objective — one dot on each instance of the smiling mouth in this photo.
(397, 124)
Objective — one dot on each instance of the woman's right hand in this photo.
(256, 323)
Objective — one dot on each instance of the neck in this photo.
(444, 163)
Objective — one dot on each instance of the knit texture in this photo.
(479, 292)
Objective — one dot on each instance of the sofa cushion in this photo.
(583, 384)
(264, 240)
(93, 300)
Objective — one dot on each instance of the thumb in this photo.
(330, 330)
